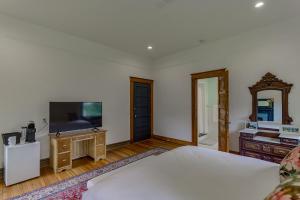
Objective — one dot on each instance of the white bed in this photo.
(188, 173)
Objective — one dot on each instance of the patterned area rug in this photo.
(72, 189)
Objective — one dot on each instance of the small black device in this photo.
(30, 132)
(5, 137)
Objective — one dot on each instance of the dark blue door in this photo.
(142, 111)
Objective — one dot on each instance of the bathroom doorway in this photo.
(210, 109)
(208, 126)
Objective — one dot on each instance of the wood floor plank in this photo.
(81, 166)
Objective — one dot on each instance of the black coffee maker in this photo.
(30, 132)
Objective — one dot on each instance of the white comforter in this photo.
(188, 173)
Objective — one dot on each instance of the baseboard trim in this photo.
(173, 140)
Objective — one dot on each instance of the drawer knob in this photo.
(64, 160)
(65, 146)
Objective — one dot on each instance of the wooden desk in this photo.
(62, 148)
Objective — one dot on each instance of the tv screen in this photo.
(67, 116)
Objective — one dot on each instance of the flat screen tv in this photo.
(68, 116)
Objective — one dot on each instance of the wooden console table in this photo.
(265, 145)
(62, 146)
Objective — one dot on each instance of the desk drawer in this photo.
(100, 139)
(63, 145)
(100, 150)
(63, 160)
(246, 135)
(280, 151)
(252, 146)
(260, 147)
(83, 137)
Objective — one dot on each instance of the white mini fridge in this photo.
(21, 162)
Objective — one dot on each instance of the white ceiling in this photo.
(168, 25)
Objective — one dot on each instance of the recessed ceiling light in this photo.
(149, 47)
(259, 4)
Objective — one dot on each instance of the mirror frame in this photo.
(271, 82)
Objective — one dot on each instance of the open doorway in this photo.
(208, 126)
(210, 109)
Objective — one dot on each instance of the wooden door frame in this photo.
(195, 77)
(139, 80)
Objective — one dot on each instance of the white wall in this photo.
(38, 65)
(248, 57)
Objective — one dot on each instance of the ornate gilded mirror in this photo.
(270, 97)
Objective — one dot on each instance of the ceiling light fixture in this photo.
(259, 4)
(149, 47)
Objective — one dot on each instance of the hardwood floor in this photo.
(80, 166)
